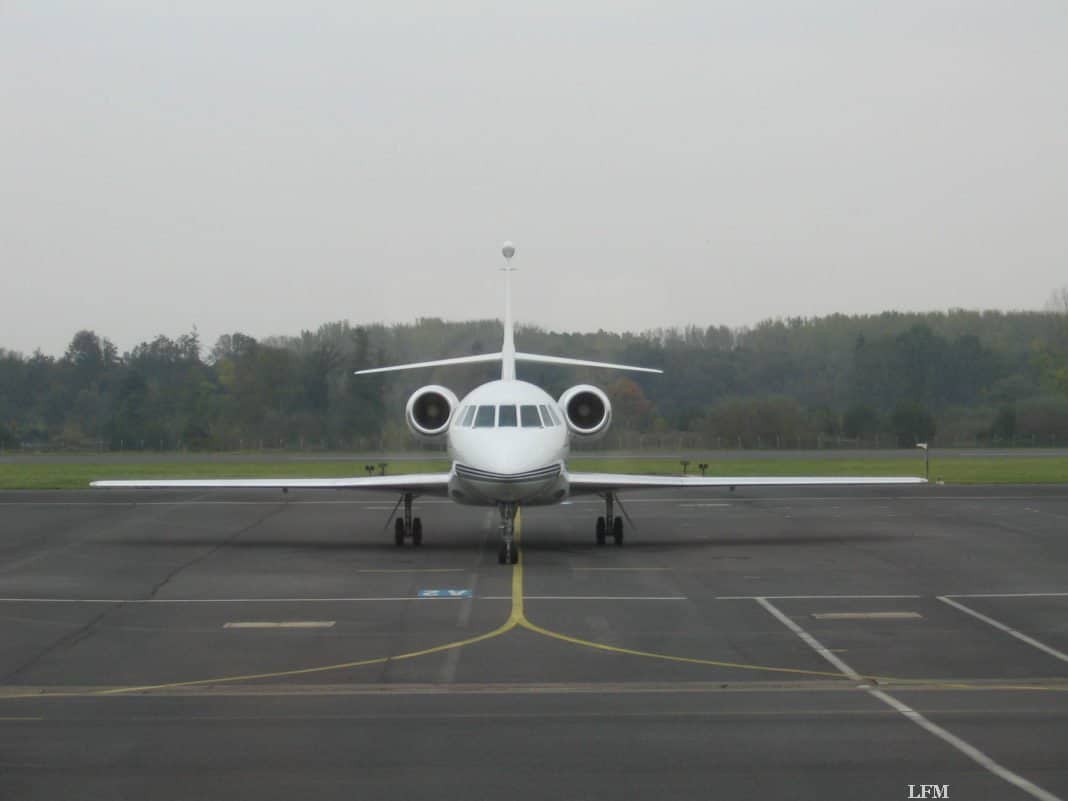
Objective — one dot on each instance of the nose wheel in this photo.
(609, 525)
(508, 554)
(408, 527)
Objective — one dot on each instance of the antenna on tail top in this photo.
(508, 346)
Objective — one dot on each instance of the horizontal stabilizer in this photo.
(534, 357)
(481, 358)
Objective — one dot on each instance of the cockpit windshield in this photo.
(529, 416)
(506, 416)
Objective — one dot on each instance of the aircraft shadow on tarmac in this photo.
(532, 543)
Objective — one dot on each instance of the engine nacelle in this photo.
(429, 411)
(587, 411)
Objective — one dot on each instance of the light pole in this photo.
(926, 459)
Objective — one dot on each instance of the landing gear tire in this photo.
(398, 533)
(509, 550)
(507, 556)
(417, 532)
(600, 531)
(617, 530)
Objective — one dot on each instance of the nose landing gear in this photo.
(508, 554)
(408, 527)
(609, 524)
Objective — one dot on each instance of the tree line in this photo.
(955, 377)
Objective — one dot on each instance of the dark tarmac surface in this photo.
(817, 644)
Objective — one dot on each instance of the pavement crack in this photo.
(210, 552)
(74, 637)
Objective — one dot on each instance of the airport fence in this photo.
(621, 441)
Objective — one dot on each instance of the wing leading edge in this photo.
(422, 483)
(603, 482)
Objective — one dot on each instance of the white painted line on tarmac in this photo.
(617, 569)
(811, 597)
(226, 600)
(590, 597)
(380, 599)
(809, 640)
(1019, 635)
(1010, 595)
(965, 748)
(415, 570)
(279, 624)
(962, 746)
(867, 615)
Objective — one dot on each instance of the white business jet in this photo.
(508, 442)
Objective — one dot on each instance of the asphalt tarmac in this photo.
(817, 644)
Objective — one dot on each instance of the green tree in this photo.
(1004, 425)
(860, 420)
(912, 423)
(631, 410)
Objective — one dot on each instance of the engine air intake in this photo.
(429, 411)
(587, 410)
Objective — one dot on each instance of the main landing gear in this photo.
(508, 553)
(407, 526)
(609, 525)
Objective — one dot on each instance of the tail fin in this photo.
(507, 355)
(508, 345)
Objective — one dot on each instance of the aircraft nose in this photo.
(512, 458)
(510, 463)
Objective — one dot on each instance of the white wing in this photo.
(603, 482)
(421, 483)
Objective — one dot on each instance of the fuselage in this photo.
(508, 442)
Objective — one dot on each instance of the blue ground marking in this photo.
(444, 593)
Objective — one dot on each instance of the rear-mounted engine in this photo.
(429, 411)
(587, 411)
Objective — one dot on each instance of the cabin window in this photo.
(484, 418)
(468, 416)
(507, 417)
(528, 416)
(546, 420)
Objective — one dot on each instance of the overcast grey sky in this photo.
(266, 166)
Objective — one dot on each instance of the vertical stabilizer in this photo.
(507, 355)
(508, 346)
